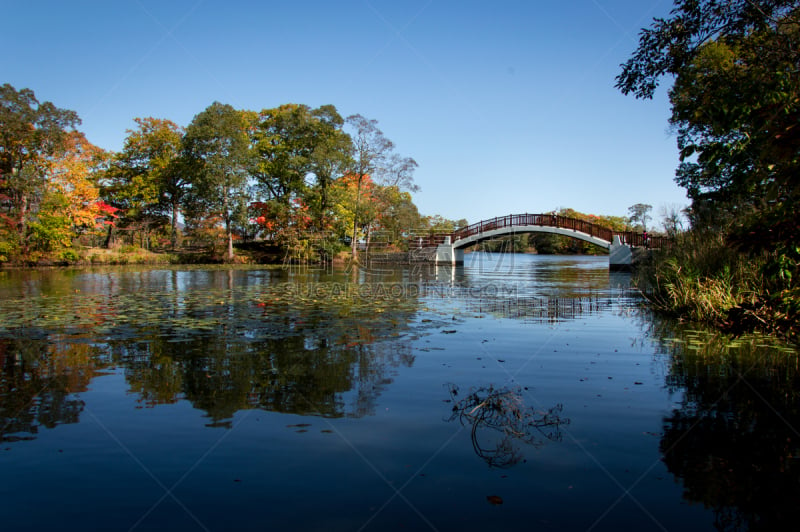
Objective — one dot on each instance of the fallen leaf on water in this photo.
(494, 499)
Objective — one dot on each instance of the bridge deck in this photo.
(631, 238)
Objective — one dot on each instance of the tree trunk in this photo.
(23, 226)
(109, 237)
(228, 230)
(355, 219)
(229, 238)
(353, 242)
(174, 238)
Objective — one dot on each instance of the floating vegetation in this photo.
(270, 310)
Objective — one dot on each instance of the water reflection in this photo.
(39, 383)
(303, 341)
(306, 343)
(734, 441)
(541, 309)
(290, 375)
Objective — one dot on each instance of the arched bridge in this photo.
(450, 247)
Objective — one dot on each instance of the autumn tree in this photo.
(31, 134)
(70, 202)
(373, 158)
(217, 149)
(74, 177)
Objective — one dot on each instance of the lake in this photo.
(516, 392)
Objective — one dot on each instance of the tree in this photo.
(74, 177)
(282, 141)
(31, 133)
(374, 157)
(216, 145)
(437, 224)
(671, 44)
(672, 217)
(399, 173)
(69, 203)
(371, 148)
(330, 159)
(298, 152)
(398, 217)
(639, 214)
(148, 177)
(735, 107)
(355, 206)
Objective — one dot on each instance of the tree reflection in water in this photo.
(223, 340)
(289, 375)
(734, 442)
(220, 374)
(498, 420)
(39, 383)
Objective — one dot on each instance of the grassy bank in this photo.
(704, 278)
(245, 253)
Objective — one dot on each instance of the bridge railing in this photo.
(637, 240)
(544, 220)
(631, 238)
(424, 241)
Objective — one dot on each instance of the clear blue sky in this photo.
(507, 106)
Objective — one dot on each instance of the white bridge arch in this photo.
(462, 243)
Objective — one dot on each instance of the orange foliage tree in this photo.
(70, 203)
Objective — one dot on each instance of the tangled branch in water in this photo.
(503, 412)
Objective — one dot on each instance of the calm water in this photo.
(516, 393)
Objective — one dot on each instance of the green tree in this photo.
(148, 177)
(437, 224)
(398, 217)
(282, 140)
(31, 133)
(639, 214)
(735, 107)
(217, 149)
(330, 160)
(298, 152)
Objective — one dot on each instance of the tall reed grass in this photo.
(702, 278)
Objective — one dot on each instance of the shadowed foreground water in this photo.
(518, 392)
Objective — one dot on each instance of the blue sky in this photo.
(508, 106)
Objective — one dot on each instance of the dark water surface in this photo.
(516, 393)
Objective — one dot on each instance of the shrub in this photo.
(69, 255)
